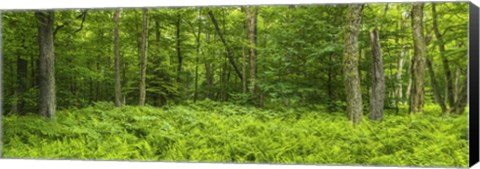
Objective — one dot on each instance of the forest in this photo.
(356, 84)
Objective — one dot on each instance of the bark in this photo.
(350, 63)
(46, 63)
(409, 85)
(22, 68)
(418, 61)
(1, 85)
(97, 84)
(457, 83)
(244, 57)
(377, 98)
(446, 66)
(195, 97)
(208, 70)
(252, 38)
(143, 57)
(179, 53)
(118, 89)
(244, 70)
(435, 87)
(229, 51)
(33, 69)
(401, 61)
(330, 91)
(462, 99)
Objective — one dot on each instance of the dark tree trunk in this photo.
(435, 87)
(446, 66)
(143, 57)
(97, 84)
(350, 63)
(418, 61)
(229, 51)
(91, 90)
(377, 98)
(1, 84)
(179, 53)
(244, 57)
(330, 91)
(118, 87)
(47, 63)
(244, 70)
(208, 70)
(22, 69)
(33, 69)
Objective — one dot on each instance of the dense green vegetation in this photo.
(382, 84)
(223, 132)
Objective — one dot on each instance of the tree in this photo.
(350, 63)
(441, 48)
(143, 57)
(252, 38)
(229, 51)
(118, 89)
(461, 101)
(47, 63)
(179, 53)
(377, 98)
(1, 84)
(199, 31)
(22, 68)
(435, 87)
(418, 60)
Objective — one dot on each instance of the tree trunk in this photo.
(436, 89)
(244, 57)
(244, 70)
(208, 70)
(47, 63)
(229, 51)
(377, 98)
(179, 53)
(252, 38)
(461, 101)
(401, 61)
(418, 60)
(195, 97)
(456, 89)
(350, 63)
(33, 69)
(97, 84)
(446, 66)
(1, 85)
(22, 68)
(330, 91)
(125, 79)
(118, 89)
(143, 57)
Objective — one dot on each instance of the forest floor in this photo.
(222, 132)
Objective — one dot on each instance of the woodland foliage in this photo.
(223, 132)
(264, 84)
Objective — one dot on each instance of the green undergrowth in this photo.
(221, 132)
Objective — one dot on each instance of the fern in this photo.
(223, 132)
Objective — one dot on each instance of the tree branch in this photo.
(83, 15)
